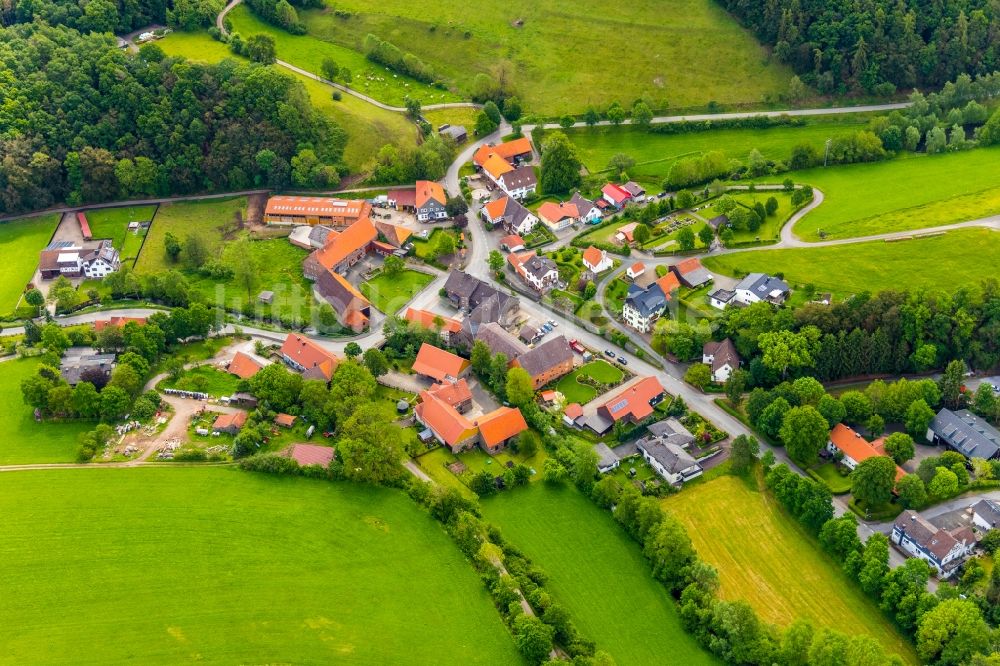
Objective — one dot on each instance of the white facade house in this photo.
(635, 270)
(643, 306)
(607, 460)
(541, 273)
(596, 260)
(92, 260)
(670, 461)
(519, 182)
(943, 550)
(722, 358)
(757, 287)
(986, 515)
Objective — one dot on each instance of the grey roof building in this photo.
(318, 236)
(669, 460)
(757, 287)
(966, 433)
(646, 302)
(672, 431)
(607, 459)
(456, 132)
(78, 361)
(986, 514)
(500, 341)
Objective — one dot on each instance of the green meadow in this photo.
(21, 240)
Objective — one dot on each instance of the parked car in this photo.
(576, 346)
(609, 353)
(622, 360)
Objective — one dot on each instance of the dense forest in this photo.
(83, 121)
(119, 16)
(876, 45)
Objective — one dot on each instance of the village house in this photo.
(691, 273)
(93, 260)
(558, 216)
(501, 164)
(497, 428)
(352, 308)
(635, 190)
(81, 364)
(512, 243)
(445, 326)
(986, 515)
(607, 460)
(625, 234)
(438, 364)
(456, 394)
(573, 414)
(635, 270)
(499, 341)
(539, 272)
(853, 448)
(616, 195)
(518, 183)
(586, 210)
(547, 362)
(510, 214)
(231, 424)
(468, 293)
(721, 357)
(453, 429)
(644, 305)
(754, 288)
(633, 404)
(426, 200)
(117, 322)
(342, 250)
(243, 366)
(671, 431)
(945, 551)
(596, 260)
(966, 433)
(308, 358)
(285, 420)
(675, 465)
(513, 152)
(313, 211)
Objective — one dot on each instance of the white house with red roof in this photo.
(616, 195)
(596, 260)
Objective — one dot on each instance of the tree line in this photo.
(90, 122)
(877, 46)
(115, 16)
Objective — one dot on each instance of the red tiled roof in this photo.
(500, 425)
(669, 284)
(496, 166)
(117, 322)
(317, 206)
(244, 366)
(437, 363)
(548, 396)
(855, 447)
(512, 241)
(553, 212)
(573, 410)
(310, 454)
(496, 207)
(84, 226)
(443, 419)
(285, 420)
(638, 268)
(308, 354)
(352, 239)
(634, 400)
(592, 256)
(427, 190)
(452, 394)
(234, 420)
(507, 151)
(426, 319)
(616, 193)
(688, 265)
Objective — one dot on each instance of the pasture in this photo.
(771, 229)
(654, 154)
(21, 240)
(25, 440)
(389, 293)
(561, 58)
(764, 557)
(960, 258)
(113, 223)
(206, 219)
(597, 573)
(368, 127)
(223, 566)
(914, 192)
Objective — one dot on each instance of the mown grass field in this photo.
(767, 559)
(771, 229)
(902, 194)
(113, 223)
(162, 566)
(20, 241)
(654, 154)
(562, 58)
(368, 127)
(24, 439)
(205, 378)
(390, 293)
(184, 218)
(574, 391)
(597, 573)
(944, 262)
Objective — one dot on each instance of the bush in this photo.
(271, 463)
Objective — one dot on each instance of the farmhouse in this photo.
(966, 433)
(393, 234)
(635, 190)
(458, 395)
(450, 427)
(438, 364)
(498, 427)
(943, 550)
(596, 260)
(90, 260)
(670, 461)
(513, 152)
(429, 201)
(445, 326)
(539, 272)
(508, 212)
(313, 211)
(117, 322)
(469, 293)
(854, 448)
(80, 364)
(986, 515)
(305, 356)
(607, 459)
(500, 341)
(558, 216)
(616, 195)
(691, 273)
(310, 454)
(632, 405)
(547, 362)
(643, 306)
(352, 308)
(586, 210)
(573, 414)
(243, 366)
(721, 357)
(230, 424)
(341, 251)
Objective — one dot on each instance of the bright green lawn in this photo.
(25, 440)
(767, 559)
(834, 480)
(206, 379)
(910, 193)
(113, 222)
(558, 59)
(597, 573)
(390, 293)
(424, 248)
(368, 127)
(308, 52)
(166, 566)
(944, 262)
(183, 218)
(771, 229)
(655, 153)
(20, 241)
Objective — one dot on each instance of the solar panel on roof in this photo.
(619, 405)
